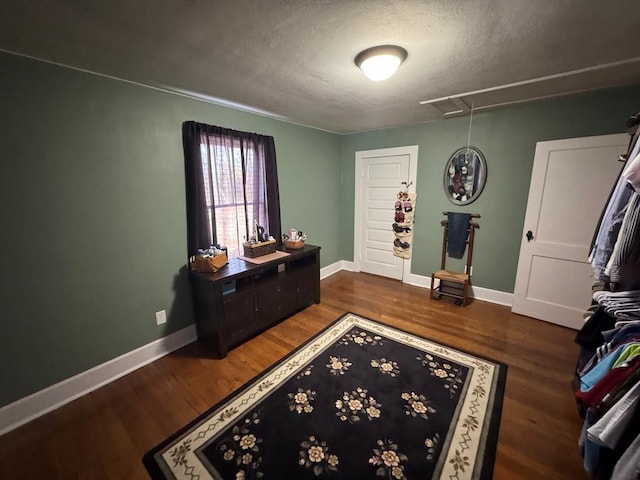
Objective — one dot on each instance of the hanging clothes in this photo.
(610, 222)
(458, 230)
(610, 391)
(608, 370)
(623, 267)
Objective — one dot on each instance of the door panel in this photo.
(570, 183)
(574, 276)
(565, 195)
(381, 182)
(382, 236)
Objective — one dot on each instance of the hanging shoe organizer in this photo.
(405, 206)
(453, 284)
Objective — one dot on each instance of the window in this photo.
(231, 182)
(235, 191)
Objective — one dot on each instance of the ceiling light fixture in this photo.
(379, 63)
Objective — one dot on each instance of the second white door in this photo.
(570, 183)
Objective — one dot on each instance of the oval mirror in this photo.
(465, 175)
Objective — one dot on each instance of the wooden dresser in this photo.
(243, 299)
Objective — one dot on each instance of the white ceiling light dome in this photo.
(379, 63)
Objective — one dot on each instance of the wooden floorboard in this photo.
(104, 434)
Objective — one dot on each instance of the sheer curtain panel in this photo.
(231, 181)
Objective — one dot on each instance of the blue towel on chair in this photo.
(457, 233)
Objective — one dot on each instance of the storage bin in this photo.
(253, 250)
(203, 264)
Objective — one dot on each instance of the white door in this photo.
(379, 177)
(570, 184)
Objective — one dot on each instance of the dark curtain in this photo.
(222, 167)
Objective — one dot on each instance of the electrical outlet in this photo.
(161, 317)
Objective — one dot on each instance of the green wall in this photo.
(507, 137)
(92, 204)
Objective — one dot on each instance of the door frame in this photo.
(361, 157)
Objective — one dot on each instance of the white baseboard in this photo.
(336, 267)
(37, 404)
(493, 296)
(419, 280)
(330, 269)
(349, 266)
(479, 293)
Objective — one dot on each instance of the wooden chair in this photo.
(454, 284)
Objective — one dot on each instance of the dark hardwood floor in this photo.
(104, 434)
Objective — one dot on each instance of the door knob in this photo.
(529, 236)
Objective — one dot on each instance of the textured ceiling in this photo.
(293, 59)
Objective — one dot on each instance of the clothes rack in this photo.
(607, 381)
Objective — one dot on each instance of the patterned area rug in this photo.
(360, 400)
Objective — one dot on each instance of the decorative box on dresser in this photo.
(242, 298)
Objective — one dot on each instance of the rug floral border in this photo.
(476, 424)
